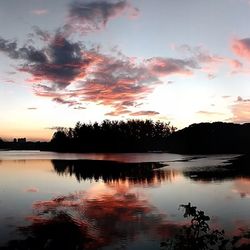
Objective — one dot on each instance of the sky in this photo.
(64, 61)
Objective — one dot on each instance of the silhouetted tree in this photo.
(199, 236)
(113, 136)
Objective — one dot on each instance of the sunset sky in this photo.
(64, 61)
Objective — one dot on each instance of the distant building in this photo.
(14, 140)
(21, 140)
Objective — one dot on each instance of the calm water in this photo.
(114, 201)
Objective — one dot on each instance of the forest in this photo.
(113, 136)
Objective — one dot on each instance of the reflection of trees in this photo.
(110, 171)
(207, 174)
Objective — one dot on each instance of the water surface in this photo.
(113, 201)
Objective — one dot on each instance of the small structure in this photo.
(21, 140)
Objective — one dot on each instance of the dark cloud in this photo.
(79, 107)
(64, 101)
(240, 99)
(32, 108)
(55, 128)
(9, 47)
(94, 15)
(41, 34)
(60, 62)
(28, 53)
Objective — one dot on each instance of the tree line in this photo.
(113, 136)
(211, 138)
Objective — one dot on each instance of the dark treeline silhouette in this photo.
(29, 145)
(208, 138)
(144, 136)
(113, 136)
(110, 171)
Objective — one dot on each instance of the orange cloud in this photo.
(241, 110)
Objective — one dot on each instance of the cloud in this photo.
(60, 62)
(145, 113)
(241, 47)
(118, 111)
(79, 107)
(41, 34)
(167, 66)
(55, 128)
(241, 110)
(208, 113)
(69, 73)
(39, 12)
(74, 74)
(240, 99)
(64, 101)
(32, 190)
(207, 62)
(91, 16)
(32, 108)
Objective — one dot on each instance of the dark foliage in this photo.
(206, 138)
(199, 236)
(29, 145)
(113, 136)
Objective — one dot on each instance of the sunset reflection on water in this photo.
(112, 204)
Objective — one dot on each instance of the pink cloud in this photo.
(32, 190)
(208, 62)
(241, 47)
(39, 12)
(168, 66)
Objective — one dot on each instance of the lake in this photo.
(114, 201)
